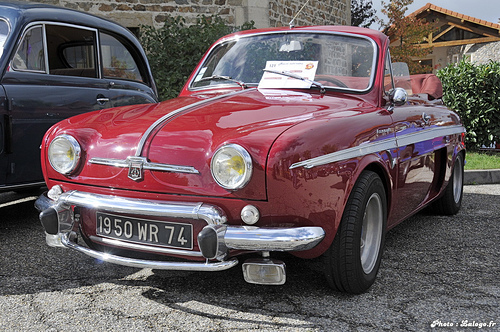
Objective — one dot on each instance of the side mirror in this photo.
(398, 96)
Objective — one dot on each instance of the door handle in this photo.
(101, 100)
(426, 118)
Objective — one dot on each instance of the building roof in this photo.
(430, 6)
(453, 29)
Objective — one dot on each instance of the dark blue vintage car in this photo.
(56, 63)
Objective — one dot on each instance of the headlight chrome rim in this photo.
(72, 146)
(236, 151)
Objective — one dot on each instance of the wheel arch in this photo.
(385, 176)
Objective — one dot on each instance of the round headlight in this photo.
(231, 166)
(64, 154)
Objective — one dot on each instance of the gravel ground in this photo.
(438, 273)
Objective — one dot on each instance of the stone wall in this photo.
(265, 13)
(478, 53)
(484, 53)
(326, 12)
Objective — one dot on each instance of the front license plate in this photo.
(162, 233)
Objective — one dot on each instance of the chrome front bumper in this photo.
(215, 240)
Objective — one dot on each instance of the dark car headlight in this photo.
(64, 154)
(231, 166)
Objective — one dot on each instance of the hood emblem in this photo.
(135, 168)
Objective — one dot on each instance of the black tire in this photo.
(353, 260)
(451, 200)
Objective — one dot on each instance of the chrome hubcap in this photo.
(371, 233)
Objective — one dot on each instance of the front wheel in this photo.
(353, 259)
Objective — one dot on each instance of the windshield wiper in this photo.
(226, 78)
(321, 87)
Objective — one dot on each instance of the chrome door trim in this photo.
(380, 146)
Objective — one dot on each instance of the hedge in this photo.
(175, 49)
(473, 91)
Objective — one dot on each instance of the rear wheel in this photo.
(451, 201)
(353, 259)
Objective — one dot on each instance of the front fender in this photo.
(319, 194)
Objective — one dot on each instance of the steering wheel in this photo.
(330, 79)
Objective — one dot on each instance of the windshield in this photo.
(335, 61)
(4, 32)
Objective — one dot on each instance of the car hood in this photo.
(186, 132)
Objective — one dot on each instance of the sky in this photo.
(488, 10)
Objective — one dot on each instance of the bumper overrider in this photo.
(215, 240)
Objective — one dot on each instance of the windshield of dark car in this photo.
(4, 32)
(339, 60)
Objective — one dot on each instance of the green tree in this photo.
(473, 91)
(175, 49)
(362, 13)
(409, 31)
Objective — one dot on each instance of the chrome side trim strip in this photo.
(184, 210)
(145, 165)
(350, 153)
(142, 264)
(375, 147)
(134, 246)
(428, 134)
(170, 115)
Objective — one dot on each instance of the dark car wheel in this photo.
(451, 201)
(353, 259)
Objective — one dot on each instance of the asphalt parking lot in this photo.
(437, 274)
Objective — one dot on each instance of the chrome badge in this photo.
(135, 168)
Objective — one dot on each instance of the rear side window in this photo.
(117, 61)
(71, 51)
(30, 54)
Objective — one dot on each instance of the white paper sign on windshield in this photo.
(305, 69)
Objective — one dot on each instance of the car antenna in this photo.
(291, 24)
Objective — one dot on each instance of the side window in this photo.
(117, 62)
(71, 51)
(4, 33)
(30, 54)
(396, 75)
(401, 76)
(388, 81)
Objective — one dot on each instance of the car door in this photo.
(416, 149)
(125, 71)
(52, 75)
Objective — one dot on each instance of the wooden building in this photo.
(458, 36)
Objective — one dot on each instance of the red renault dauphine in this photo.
(305, 140)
